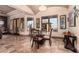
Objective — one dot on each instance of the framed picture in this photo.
(72, 19)
(63, 22)
(37, 22)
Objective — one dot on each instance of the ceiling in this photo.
(35, 8)
(5, 9)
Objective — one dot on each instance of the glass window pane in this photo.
(54, 23)
(44, 20)
(29, 23)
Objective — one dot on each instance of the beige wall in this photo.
(20, 14)
(55, 11)
(77, 29)
(50, 11)
(62, 11)
(72, 29)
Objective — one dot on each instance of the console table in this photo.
(70, 42)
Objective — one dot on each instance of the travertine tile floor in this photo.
(22, 44)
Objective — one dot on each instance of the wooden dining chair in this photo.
(48, 37)
(37, 40)
(30, 33)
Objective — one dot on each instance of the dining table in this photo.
(38, 38)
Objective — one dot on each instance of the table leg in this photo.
(32, 43)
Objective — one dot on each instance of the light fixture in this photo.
(1, 23)
(42, 8)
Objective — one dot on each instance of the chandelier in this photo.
(42, 8)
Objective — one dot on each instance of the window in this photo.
(29, 23)
(49, 22)
(54, 23)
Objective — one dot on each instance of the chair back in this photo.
(30, 31)
(50, 34)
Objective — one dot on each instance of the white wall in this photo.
(55, 11)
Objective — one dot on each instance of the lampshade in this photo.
(42, 8)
